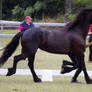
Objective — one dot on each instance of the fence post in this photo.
(1, 36)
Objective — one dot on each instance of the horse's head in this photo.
(86, 15)
(90, 17)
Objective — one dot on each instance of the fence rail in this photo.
(47, 75)
(4, 23)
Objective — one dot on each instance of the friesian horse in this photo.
(69, 40)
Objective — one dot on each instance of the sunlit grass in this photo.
(26, 84)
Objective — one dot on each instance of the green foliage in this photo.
(83, 1)
(80, 4)
(38, 9)
(39, 5)
(28, 11)
(72, 16)
(18, 12)
(62, 18)
(35, 8)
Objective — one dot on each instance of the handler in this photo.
(90, 43)
(26, 24)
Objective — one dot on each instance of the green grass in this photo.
(10, 31)
(26, 84)
(6, 40)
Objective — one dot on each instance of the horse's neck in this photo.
(84, 28)
(79, 27)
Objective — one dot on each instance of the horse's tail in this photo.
(10, 48)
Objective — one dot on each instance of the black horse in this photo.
(69, 40)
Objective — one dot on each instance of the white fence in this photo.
(16, 24)
(2, 22)
(47, 75)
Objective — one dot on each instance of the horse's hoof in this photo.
(65, 62)
(89, 82)
(63, 70)
(10, 72)
(38, 80)
(75, 81)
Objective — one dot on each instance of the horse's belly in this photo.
(56, 50)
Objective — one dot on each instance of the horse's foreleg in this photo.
(65, 62)
(74, 64)
(17, 58)
(74, 79)
(31, 66)
(66, 69)
(82, 66)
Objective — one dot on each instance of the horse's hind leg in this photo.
(17, 58)
(31, 66)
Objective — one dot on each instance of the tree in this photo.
(0, 9)
(18, 13)
(68, 6)
(67, 9)
(39, 9)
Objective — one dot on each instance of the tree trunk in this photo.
(67, 9)
(0, 9)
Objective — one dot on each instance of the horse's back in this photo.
(55, 41)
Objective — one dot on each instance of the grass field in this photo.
(43, 60)
(25, 84)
